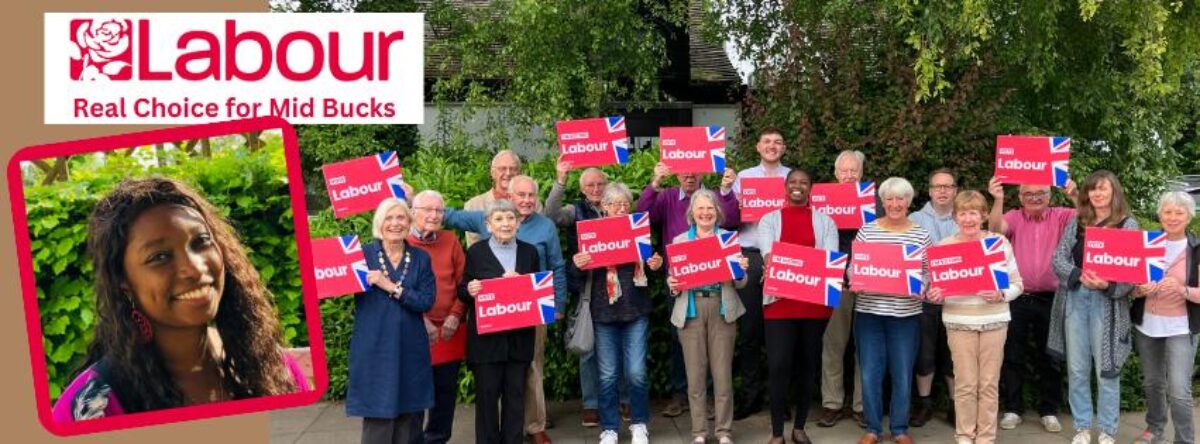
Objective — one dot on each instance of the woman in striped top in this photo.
(976, 328)
(887, 327)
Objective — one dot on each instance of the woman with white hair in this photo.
(706, 317)
(1166, 319)
(887, 328)
(391, 379)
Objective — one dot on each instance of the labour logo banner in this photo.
(340, 266)
(1130, 256)
(850, 205)
(893, 269)
(706, 261)
(515, 302)
(966, 268)
(805, 274)
(593, 142)
(358, 185)
(693, 149)
(761, 195)
(615, 240)
(1033, 160)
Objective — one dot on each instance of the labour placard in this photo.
(893, 269)
(339, 265)
(693, 149)
(515, 302)
(805, 274)
(358, 185)
(967, 268)
(593, 142)
(706, 261)
(761, 195)
(850, 205)
(615, 240)
(1033, 160)
(1130, 256)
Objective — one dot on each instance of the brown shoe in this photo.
(830, 417)
(869, 438)
(860, 419)
(675, 408)
(903, 439)
(921, 415)
(776, 440)
(590, 418)
(540, 438)
(799, 437)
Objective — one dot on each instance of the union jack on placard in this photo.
(1155, 239)
(914, 252)
(1156, 267)
(718, 159)
(360, 272)
(729, 241)
(992, 245)
(716, 133)
(835, 263)
(350, 243)
(394, 184)
(388, 159)
(615, 123)
(542, 280)
(1060, 160)
(641, 220)
(866, 189)
(915, 282)
(546, 304)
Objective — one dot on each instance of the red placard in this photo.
(615, 240)
(340, 266)
(442, 351)
(966, 268)
(893, 269)
(706, 261)
(761, 195)
(850, 205)
(515, 302)
(358, 185)
(1130, 256)
(1033, 160)
(805, 274)
(593, 142)
(693, 149)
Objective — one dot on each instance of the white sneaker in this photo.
(1106, 439)
(1010, 421)
(1083, 437)
(1051, 424)
(640, 434)
(961, 440)
(608, 437)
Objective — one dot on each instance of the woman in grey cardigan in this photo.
(1089, 322)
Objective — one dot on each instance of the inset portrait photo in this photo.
(162, 278)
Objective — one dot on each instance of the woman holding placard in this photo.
(499, 360)
(794, 329)
(1166, 318)
(1089, 322)
(707, 320)
(976, 328)
(391, 378)
(620, 308)
(887, 328)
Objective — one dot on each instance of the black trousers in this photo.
(748, 356)
(794, 357)
(445, 394)
(1026, 342)
(403, 429)
(500, 402)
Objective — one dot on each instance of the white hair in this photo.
(512, 183)
(896, 187)
(426, 195)
(712, 197)
(510, 153)
(857, 155)
(592, 170)
(1177, 198)
(381, 212)
(499, 206)
(615, 191)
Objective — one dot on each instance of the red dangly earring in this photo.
(145, 332)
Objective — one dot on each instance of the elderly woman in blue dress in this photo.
(391, 378)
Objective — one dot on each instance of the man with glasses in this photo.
(447, 343)
(505, 165)
(1033, 230)
(591, 182)
(933, 357)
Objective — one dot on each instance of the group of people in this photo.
(424, 286)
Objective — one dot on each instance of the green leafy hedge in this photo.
(249, 188)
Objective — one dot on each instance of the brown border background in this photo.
(21, 77)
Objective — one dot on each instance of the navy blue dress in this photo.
(390, 371)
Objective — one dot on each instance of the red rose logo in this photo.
(101, 51)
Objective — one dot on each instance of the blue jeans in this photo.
(621, 350)
(589, 381)
(1084, 327)
(886, 345)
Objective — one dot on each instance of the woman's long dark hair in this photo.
(252, 365)
(1118, 209)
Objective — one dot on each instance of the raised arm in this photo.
(996, 217)
(554, 209)
(465, 220)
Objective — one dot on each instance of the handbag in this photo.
(581, 338)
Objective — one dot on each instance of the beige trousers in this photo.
(708, 343)
(833, 350)
(535, 396)
(977, 358)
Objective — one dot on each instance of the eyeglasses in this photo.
(943, 187)
(620, 204)
(431, 209)
(1035, 194)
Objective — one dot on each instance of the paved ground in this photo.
(327, 423)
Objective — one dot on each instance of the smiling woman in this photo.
(183, 318)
